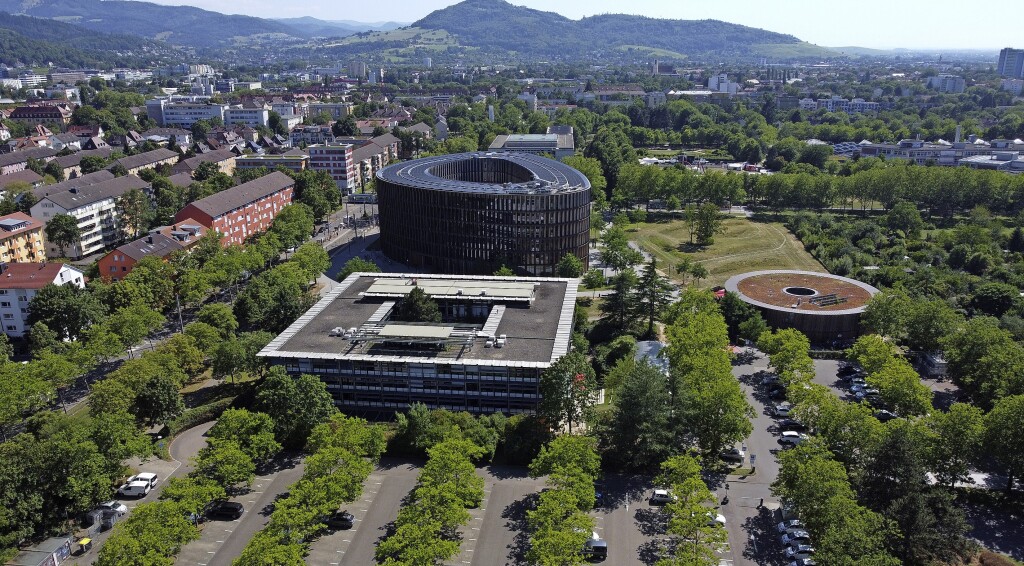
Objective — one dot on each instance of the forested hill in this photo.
(177, 25)
(34, 41)
(496, 24)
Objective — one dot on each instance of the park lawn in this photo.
(746, 245)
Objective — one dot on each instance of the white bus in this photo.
(367, 198)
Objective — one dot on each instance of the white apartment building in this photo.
(1013, 86)
(311, 135)
(337, 110)
(19, 283)
(182, 114)
(1011, 63)
(839, 104)
(95, 208)
(336, 159)
(720, 83)
(251, 117)
(949, 84)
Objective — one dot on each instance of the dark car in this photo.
(225, 510)
(595, 549)
(340, 520)
(792, 424)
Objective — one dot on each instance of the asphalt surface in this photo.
(183, 448)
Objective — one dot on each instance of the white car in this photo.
(733, 455)
(716, 519)
(662, 497)
(135, 489)
(113, 507)
(147, 477)
(782, 410)
(796, 538)
(792, 438)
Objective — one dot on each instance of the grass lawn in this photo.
(746, 245)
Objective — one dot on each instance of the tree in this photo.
(653, 293)
(66, 310)
(134, 211)
(318, 191)
(994, 299)
(312, 258)
(118, 438)
(54, 170)
(153, 532)
(226, 463)
(1004, 437)
(593, 279)
(158, 401)
(274, 298)
(132, 324)
(639, 435)
(591, 169)
(183, 349)
(293, 225)
(618, 307)
(955, 443)
(616, 251)
(92, 164)
(904, 217)
(206, 337)
(357, 265)
(296, 405)
(63, 230)
(219, 316)
(699, 273)
(569, 266)
(193, 494)
(691, 515)
(417, 306)
(708, 223)
(901, 389)
(504, 271)
(568, 391)
(345, 127)
(200, 130)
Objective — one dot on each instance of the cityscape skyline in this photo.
(910, 25)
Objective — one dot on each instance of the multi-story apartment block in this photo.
(19, 283)
(1013, 86)
(242, 211)
(223, 158)
(21, 239)
(149, 160)
(310, 135)
(252, 117)
(95, 208)
(337, 110)
(840, 104)
(42, 114)
(337, 160)
(160, 242)
(1011, 63)
(182, 114)
(292, 161)
(949, 84)
(18, 160)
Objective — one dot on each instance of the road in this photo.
(183, 448)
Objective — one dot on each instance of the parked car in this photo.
(799, 551)
(595, 548)
(790, 525)
(139, 489)
(792, 424)
(769, 379)
(225, 510)
(112, 507)
(146, 477)
(340, 520)
(866, 394)
(661, 497)
(795, 538)
(781, 410)
(716, 519)
(792, 438)
(885, 415)
(803, 562)
(733, 455)
(858, 387)
(848, 369)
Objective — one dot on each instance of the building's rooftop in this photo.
(534, 314)
(535, 174)
(24, 176)
(24, 155)
(235, 197)
(16, 223)
(148, 158)
(78, 182)
(74, 159)
(29, 275)
(78, 197)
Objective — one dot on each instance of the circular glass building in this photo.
(471, 213)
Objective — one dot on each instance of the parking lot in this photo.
(223, 541)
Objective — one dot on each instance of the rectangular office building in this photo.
(496, 338)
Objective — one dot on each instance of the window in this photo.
(8, 316)
(5, 304)
(11, 328)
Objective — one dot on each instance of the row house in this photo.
(223, 158)
(160, 243)
(24, 176)
(42, 114)
(134, 164)
(294, 160)
(240, 212)
(95, 208)
(72, 164)
(19, 283)
(18, 160)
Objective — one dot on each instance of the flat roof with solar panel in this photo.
(495, 332)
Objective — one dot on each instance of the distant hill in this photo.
(313, 27)
(35, 41)
(497, 25)
(177, 25)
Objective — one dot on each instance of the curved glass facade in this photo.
(472, 213)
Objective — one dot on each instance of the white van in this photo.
(138, 488)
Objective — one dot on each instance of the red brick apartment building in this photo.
(242, 211)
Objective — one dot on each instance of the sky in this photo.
(914, 24)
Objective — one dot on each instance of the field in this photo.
(746, 245)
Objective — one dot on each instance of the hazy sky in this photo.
(899, 23)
